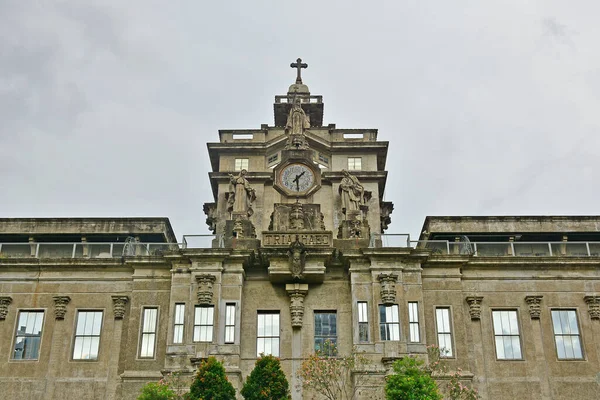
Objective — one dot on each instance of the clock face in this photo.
(297, 177)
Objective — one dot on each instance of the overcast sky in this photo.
(490, 107)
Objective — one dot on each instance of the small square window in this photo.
(241, 163)
(354, 163)
(28, 336)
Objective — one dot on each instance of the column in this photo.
(535, 310)
(297, 293)
(119, 308)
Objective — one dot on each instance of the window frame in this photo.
(144, 333)
(362, 316)
(179, 323)
(322, 336)
(243, 164)
(75, 335)
(353, 167)
(264, 336)
(229, 327)
(414, 325)
(578, 335)
(518, 335)
(200, 325)
(16, 335)
(452, 353)
(385, 326)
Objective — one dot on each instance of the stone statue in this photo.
(297, 254)
(297, 120)
(241, 194)
(352, 192)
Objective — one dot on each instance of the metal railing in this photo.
(84, 250)
(203, 241)
(511, 249)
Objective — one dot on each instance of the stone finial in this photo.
(4, 303)
(593, 303)
(534, 306)
(474, 306)
(297, 293)
(388, 288)
(119, 303)
(205, 289)
(60, 306)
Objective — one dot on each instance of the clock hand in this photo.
(297, 180)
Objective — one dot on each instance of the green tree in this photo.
(411, 381)
(211, 383)
(266, 381)
(157, 391)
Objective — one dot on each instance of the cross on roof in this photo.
(299, 65)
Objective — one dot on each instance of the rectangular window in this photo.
(326, 332)
(267, 337)
(506, 335)
(203, 323)
(444, 332)
(28, 336)
(363, 322)
(354, 163)
(241, 163)
(178, 323)
(87, 335)
(413, 322)
(148, 337)
(389, 324)
(566, 335)
(230, 323)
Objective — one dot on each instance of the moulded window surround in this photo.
(389, 322)
(326, 332)
(354, 163)
(506, 335)
(203, 323)
(444, 331)
(148, 332)
(566, 335)
(414, 335)
(363, 321)
(179, 323)
(267, 335)
(28, 335)
(241, 163)
(87, 335)
(230, 323)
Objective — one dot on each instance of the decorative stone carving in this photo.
(119, 305)
(256, 260)
(388, 288)
(238, 229)
(296, 216)
(386, 208)
(241, 195)
(205, 289)
(474, 306)
(297, 123)
(535, 308)
(4, 303)
(210, 210)
(351, 192)
(60, 306)
(593, 303)
(297, 253)
(297, 292)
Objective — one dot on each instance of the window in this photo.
(267, 338)
(444, 332)
(87, 335)
(148, 338)
(354, 163)
(566, 335)
(506, 335)
(241, 163)
(203, 324)
(28, 336)
(389, 325)
(363, 322)
(230, 323)
(178, 323)
(413, 322)
(326, 332)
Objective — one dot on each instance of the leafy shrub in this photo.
(411, 381)
(266, 381)
(211, 383)
(157, 391)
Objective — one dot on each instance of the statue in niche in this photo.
(352, 193)
(297, 120)
(241, 194)
(297, 253)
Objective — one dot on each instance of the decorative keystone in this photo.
(474, 306)
(297, 293)
(205, 289)
(60, 306)
(388, 288)
(119, 303)
(534, 306)
(4, 303)
(593, 303)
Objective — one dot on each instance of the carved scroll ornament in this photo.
(535, 308)
(60, 306)
(205, 289)
(297, 293)
(119, 305)
(474, 306)
(4, 303)
(388, 288)
(593, 303)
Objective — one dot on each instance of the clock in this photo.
(297, 178)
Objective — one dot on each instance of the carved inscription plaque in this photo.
(309, 239)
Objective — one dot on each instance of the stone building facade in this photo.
(95, 308)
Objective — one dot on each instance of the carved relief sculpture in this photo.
(205, 289)
(297, 293)
(593, 303)
(241, 195)
(388, 288)
(351, 192)
(297, 258)
(474, 306)
(119, 306)
(60, 306)
(210, 210)
(386, 208)
(297, 122)
(4, 303)
(534, 306)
